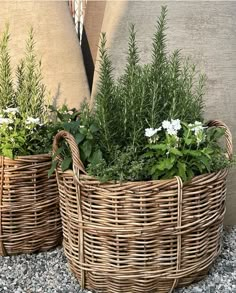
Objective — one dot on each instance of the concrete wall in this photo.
(57, 45)
(206, 31)
(91, 33)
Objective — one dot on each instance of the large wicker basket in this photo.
(136, 237)
(29, 205)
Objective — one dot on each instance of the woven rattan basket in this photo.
(140, 236)
(29, 205)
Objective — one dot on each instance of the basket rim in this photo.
(46, 155)
(200, 177)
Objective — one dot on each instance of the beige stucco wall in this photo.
(56, 43)
(94, 14)
(206, 31)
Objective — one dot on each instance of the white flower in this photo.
(166, 124)
(149, 132)
(10, 127)
(176, 124)
(31, 120)
(197, 127)
(5, 120)
(172, 126)
(11, 110)
(172, 131)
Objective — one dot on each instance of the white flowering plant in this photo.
(183, 149)
(22, 135)
(25, 127)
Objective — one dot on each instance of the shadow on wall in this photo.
(88, 59)
(57, 95)
(57, 98)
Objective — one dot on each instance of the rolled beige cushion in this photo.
(56, 44)
(206, 33)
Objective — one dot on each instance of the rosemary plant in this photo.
(153, 98)
(7, 95)
(29, 80)
(145, 95)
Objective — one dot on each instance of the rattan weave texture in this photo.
(29, 205)
(136, 237)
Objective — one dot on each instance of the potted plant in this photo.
(145, 211)
(29, 205)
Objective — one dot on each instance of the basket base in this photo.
(95, 282)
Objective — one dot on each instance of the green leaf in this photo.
(148, 155)
(188, 141)
(207, 152)
(87, 148)
(83, 130)
(96, 157)
(206, 162)
(175, 151)
(193, 153)
(93, 128)
(89, 136)
(53, 167)
(65, 164)
(167, 163)
(75, 125)
(79, 137)
(190, 174)
(7, 153)
(182, 170)
(59, 150)
(153, 169)
(161, 146)
(198, 165)
(21, 139)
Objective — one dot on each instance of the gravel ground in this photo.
(48, 273)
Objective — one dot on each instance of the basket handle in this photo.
(77, 163)
(228, 135)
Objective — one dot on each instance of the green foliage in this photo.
(20, 136)
(174, 149)
(29, 80)
(193, 152)
(130, 96)
(24, 128)
(145, 95)
(168, 89)
(105, 102)
(84, 129)
(124, 166)
(7, 94)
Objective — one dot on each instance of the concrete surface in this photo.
(206, 32)
(56, 43)
(91, 33)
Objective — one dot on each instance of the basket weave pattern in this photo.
(136, 237)
(29, 205)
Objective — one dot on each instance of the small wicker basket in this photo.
(136, 237)
(29, 205)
